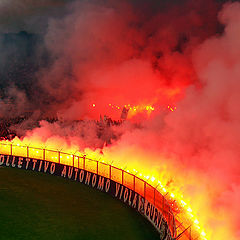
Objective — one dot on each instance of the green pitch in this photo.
(39, 206)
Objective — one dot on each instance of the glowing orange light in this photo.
(175, 198)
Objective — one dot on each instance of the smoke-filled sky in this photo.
(69, 53)
(59, 58)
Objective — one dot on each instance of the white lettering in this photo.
(81, 176)
(13, 162)
(125, 196)
(46, 164)
(7, 162)
(1, 160)
(87, 180)
(76, 171)
(34, 164)
(94, 179)
(20, 162)
(70, 172)
(117, 189)
(107, 185)
(27, 160)
(64, 171)
(52, 168)
(100, 183)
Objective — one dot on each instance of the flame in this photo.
(181, 206)
(171, 108)
(133, 110)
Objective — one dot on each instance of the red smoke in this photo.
(121, 54)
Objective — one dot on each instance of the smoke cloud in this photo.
(114, 47)
(104, 52)
(28, 15)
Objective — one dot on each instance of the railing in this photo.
(131, 181)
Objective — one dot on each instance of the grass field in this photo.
(39, 206)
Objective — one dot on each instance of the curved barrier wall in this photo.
(123, 185)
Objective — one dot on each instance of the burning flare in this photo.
(185, 217)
